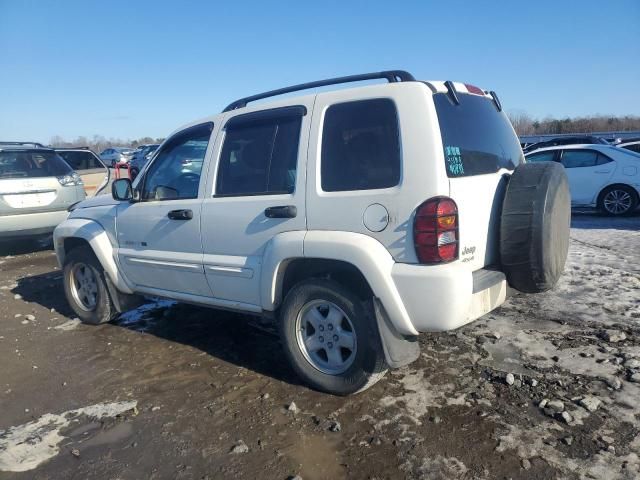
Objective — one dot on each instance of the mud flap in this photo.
(398, 349)
(123, 302)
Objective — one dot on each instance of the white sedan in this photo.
(601, 176)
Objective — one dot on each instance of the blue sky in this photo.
(133, 68)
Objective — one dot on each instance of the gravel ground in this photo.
(544, 387)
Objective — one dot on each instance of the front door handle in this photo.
(180, 214)
(283, 211)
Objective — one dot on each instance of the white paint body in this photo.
(231, 256)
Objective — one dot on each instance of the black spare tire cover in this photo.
(534, 230)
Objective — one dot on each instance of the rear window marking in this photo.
(454, 160)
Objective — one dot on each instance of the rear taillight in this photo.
(435, 231)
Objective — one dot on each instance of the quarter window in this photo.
(360, 146)
(175, 172)
(259, 155)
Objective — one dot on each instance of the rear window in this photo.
(477, 139)
(21, 164)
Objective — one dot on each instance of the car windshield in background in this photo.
(476, 137)
(32, 164)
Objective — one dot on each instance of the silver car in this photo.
(36, 188)
(116, 155)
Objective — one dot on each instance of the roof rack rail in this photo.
(391, 76)
(35, 144)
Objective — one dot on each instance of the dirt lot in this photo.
(173, 391)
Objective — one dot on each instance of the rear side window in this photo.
(477, 139)
(81, 160)
(635, 147)
(32, 165)
(259, 155)
(583, 158)
(360, 146)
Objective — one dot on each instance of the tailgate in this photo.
(479, 199)
(480, 151)
(18, 196)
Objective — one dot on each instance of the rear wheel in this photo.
(330, 338)
(85, 287)
(618, 200)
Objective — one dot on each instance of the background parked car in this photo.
(36, 188)
(140, 158)
(94, 173)
(601, 176)
(576, 140)
(631, 144)
(114, 155)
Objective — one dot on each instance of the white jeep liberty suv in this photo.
(356, 218)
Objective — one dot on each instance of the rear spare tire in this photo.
(534, 230)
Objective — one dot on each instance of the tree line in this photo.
(98, 143)
(524, 124)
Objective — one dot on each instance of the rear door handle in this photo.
(180, 214)
(283, 211)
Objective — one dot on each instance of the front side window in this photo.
(579, 158)
(259, 156)
(360, 146)
(175, 172)
(542, 156)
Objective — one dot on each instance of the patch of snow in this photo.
(141, 316)
(68, 325)
(26, 446)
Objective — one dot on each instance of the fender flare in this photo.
(95, 235)
(362, 251)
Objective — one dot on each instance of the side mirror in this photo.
(121, 189)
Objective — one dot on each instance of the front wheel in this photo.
(618, 200)
(85, 287)
(330, 338)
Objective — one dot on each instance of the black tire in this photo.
(627, 197)
(368, 364)
(104, 310)
(534, 230)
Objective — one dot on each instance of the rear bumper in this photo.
(30, 224)
(439, 298)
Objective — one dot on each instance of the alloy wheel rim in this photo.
(326, 337)
(84, 286)
(617, 201)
